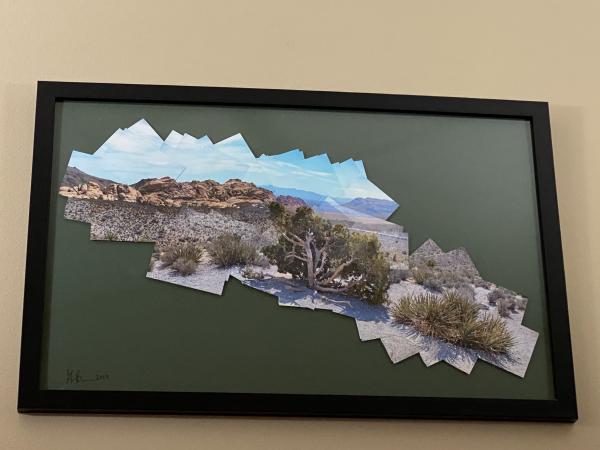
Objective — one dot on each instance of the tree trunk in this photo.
(310, 265)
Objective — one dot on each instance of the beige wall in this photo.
(540, 50)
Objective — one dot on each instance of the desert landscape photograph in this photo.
(311, 232)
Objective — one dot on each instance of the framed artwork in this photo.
(201, 250)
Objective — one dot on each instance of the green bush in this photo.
(432, 283)
(329, 257)
(504, 307)
(494, 296)
(466, 291)
(451, 280)
(229, 250)
(506, 301)
(398, 275)
(421, 274)
(480, 282)
(184, 266)
(182, 257)
(186, 251)
(509, 304)
(454, 319)
(437, 280)
(521, 303)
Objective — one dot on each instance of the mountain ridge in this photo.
(165, 191)
(375, 207)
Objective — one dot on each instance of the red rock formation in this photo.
(290, 201)
(166, 191)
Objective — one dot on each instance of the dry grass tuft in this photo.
(229, 250)
(182, 257)
(454, 319)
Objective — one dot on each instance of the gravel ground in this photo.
(133, 222)
(122, 221)
(400, 341)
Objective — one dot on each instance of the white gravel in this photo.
(401, 341)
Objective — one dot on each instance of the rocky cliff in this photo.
(166, 191)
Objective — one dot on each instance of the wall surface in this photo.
(535, 50)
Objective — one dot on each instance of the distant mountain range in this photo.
(74, 176)
(375, 207)
(166, 191)
(308, 196)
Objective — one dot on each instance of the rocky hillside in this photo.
(291, 202)
(457, 260)
(75, 177)
(167, 192)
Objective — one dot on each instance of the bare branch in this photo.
(322, 258)
(301, 241)
(335, 290)
(296, 240)
(339, 290)
(294, 255)
(338, 270)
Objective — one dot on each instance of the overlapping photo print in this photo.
(312, 232)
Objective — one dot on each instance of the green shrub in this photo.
(504, 307)
(466, 291)
(438, 280)
(430, 263)
(521, 303)
(374, 277)
(420, 274)
(506, 301)
(454, 319)
(450, 279)
(398, 275)
(494, 296)
(507, 305)
(184, 266)
(480, 282)
(186, 251)
(329, 257)
(229, 250)
(432, 284)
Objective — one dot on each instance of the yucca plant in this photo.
(492, 336)
(454, 318)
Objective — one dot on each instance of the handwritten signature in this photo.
(74, 376)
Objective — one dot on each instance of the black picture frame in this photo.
(32, 399)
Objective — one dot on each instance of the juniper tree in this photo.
(331, 258)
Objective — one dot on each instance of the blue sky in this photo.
(139, 152)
